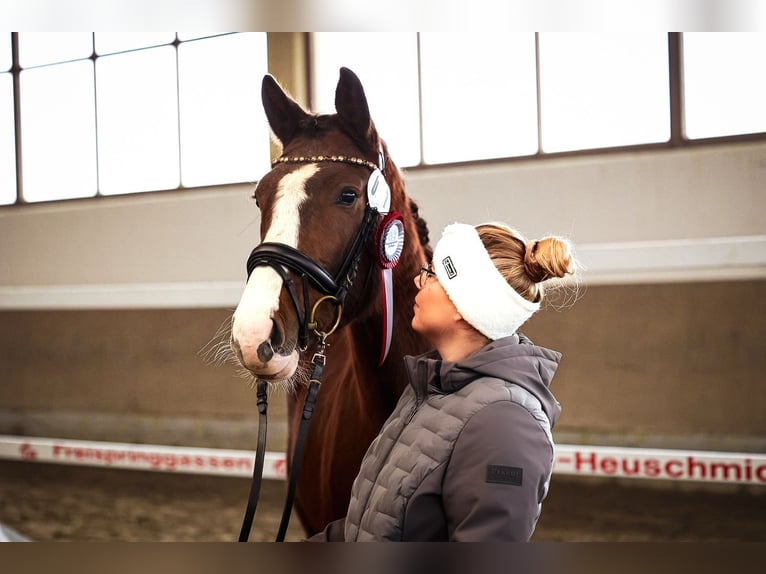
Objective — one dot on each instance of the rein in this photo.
(282, 257)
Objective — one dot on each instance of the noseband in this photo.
(280, 256)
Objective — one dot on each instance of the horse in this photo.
(314, 205)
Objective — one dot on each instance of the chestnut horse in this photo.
(313, 203)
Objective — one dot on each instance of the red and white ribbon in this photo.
(389, 240)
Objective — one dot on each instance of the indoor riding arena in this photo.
(124, 414)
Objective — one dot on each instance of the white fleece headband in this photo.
(478, 290)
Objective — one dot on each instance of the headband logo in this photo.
(449, 267)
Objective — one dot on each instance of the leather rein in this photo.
(283, 259)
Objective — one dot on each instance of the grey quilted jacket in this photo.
(466, 455)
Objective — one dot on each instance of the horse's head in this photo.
(315, 210)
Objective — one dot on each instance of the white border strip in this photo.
(190, 460)
(711, 259)
(213, 294)
(661, 464)
(623, 462)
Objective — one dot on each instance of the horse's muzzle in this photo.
(266, 359)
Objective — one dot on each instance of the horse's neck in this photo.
(367, 331)
(385, 383)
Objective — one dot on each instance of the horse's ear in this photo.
(284, 113)
(351, 105)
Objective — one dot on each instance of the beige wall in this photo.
(601, 201)
(664, 365)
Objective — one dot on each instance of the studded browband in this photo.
(332, 158)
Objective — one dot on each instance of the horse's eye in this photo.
(347, 197)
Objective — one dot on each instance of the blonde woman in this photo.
(467, 454)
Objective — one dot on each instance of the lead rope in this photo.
(260, 451)
(318, 362)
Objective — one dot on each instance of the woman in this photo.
(467, 454)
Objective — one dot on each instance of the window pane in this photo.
(58, 127)
(5, 51)
(183, 36)
(600, 90)
(479, 96)
(386, 63)
(38, 48)
(7, 142)
(724, 84)
(108, 43)
(224, 132)
(137, 121)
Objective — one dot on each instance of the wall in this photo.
(106, 303)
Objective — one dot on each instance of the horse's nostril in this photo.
(277, 338)
(265, 352)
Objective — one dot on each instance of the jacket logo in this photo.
(449, 267)
(504, 474)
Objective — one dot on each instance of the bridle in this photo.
(284, 258)
(279, 256)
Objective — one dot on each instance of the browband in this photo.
(332, 158)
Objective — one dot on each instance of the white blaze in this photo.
(252, 319)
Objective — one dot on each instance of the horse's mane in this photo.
(422, 226)
(420, 223)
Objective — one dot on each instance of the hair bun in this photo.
(548, 258)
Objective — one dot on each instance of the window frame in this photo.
(675, 101)
(15, 71)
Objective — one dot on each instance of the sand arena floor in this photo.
(52, 502)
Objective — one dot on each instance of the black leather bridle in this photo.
(279, 256)
(284, 258)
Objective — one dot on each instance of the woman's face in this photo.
(435, 312)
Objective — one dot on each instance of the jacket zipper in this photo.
(413, 411)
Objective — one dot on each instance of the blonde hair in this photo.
(526, 265)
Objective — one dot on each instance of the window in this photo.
(724, 79)
(512, 95)
(387, 65)
(472, 110)
(42, 48)
(59, 131)
(224, 131)
(7, 130)
(114, 42)
(138, 147)
(120, 113)
(5, 52)
(114, 113)
(7, 141)
(600, 90)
